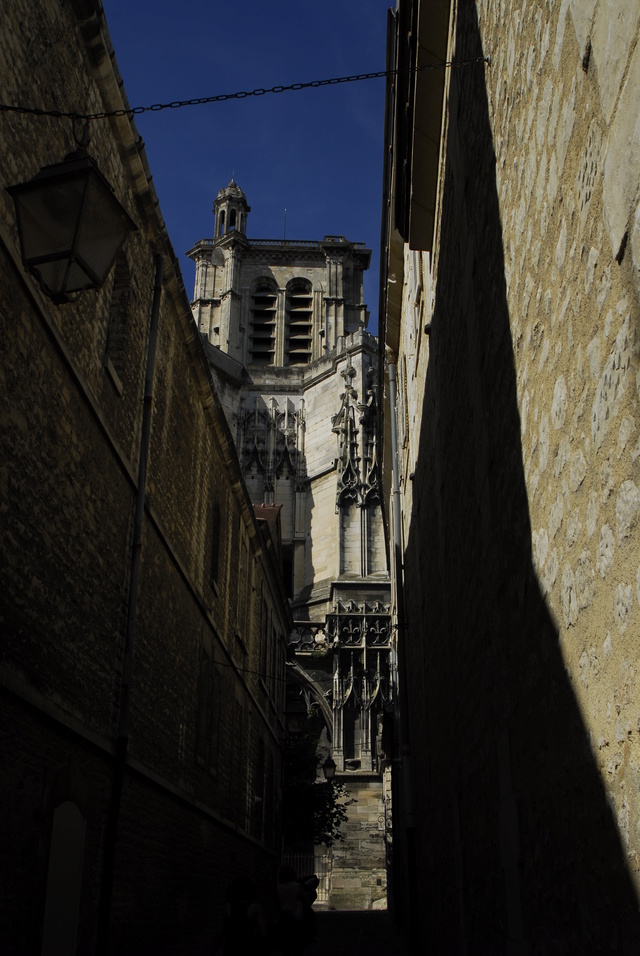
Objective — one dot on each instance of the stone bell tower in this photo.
(230, 211)
(284, 325)
(218, 272)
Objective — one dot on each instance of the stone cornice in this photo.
(284, 250)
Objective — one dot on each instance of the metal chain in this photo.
(222, 97)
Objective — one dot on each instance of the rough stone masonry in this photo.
(564, 91)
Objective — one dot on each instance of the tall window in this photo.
(205, 697)
(299, 321)
(351, 739)
(208, 714)
(244, 587)
(264, 640)
(273, 663)
(257, 822)
(116, 350)
(263, 324)
(237, 793)
(215, 544)
(270, 808)
(287, 568)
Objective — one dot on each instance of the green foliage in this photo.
(313, 813)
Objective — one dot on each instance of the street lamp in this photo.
(329, 768)
(70, 224)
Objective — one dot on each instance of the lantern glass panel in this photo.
(61, 276)
(48, 215)
(103, 229)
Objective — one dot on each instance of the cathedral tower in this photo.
(284, 324)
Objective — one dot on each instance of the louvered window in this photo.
(299, 316)
(263, 325)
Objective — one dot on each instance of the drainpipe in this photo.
(122, 740)
(403, 722)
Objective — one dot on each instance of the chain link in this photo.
(223, 97)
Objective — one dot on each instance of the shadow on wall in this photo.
(517, 848)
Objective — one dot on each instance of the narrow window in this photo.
(214, 720)
(257, 823)
(287, 569)
(215, 545)
(280, 684)
(238, 779)
(273, 662)
(351, 735)
(270, 802)
(243, 587)
(264, 640)
(203, 730)
(234, 564)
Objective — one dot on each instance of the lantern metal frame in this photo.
(329, 768)
(71, 226)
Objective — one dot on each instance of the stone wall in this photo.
(355, 882)
(518, 422)
(569, 216)
(199, 801)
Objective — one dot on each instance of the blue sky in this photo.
(316, 153)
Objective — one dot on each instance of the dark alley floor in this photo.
(361, 933)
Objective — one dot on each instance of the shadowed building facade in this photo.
(511, 297)
(141, 694)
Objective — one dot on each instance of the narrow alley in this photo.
(354, 933)
(320, 541)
